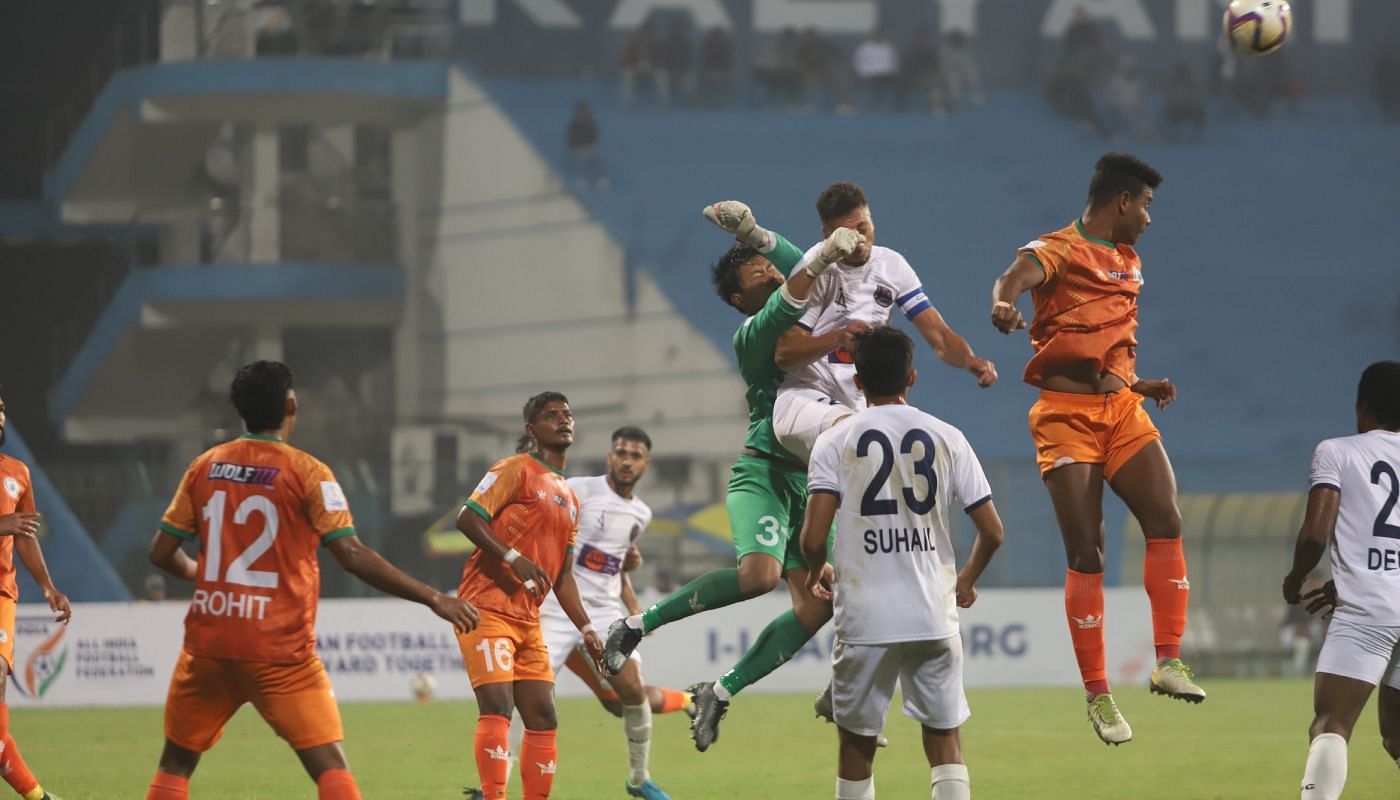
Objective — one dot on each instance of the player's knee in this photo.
(176, 760)
(540, 719)
(1328, 723)
(1162, 524)
(1088, 558)
(758, 576)
(811, 612)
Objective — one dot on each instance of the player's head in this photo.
(629, 456)
(2, 414)
(262, 393)
(524, 444)
(1123, 187)
(744, 279)
(884, 363)
(843, 205)
(549, 421)
(1378, 397)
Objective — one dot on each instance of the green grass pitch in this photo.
(1248, 741)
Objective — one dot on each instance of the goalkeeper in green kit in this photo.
(767, 496)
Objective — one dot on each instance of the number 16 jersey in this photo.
(258, 508)
(1365, 470)
(897, 472)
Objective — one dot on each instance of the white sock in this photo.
(636, 722)
(1326, 772)
(950, 782)
(635, 623)
(722, 693)
(855, 790)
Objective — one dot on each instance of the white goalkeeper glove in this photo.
(735, 218)
(840, 244)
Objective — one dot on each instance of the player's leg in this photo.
(759, 524)
(203, 696)
(931, 679)
(1140, 472)
(1354, 658)
(533, 692)
(579, 664)
(488, 652)
(12, 766)
(636, 724)
(863, 681)
(1389, 708)
(297, 701)
(801, 415)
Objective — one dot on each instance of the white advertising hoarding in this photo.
(123, 653)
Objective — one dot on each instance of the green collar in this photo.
(536, 456)
(1079, 226)
(261, 437)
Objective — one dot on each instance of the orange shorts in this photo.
(504, 650)
(7, 632)
(296, 700)
(1103, 429)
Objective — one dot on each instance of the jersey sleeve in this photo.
(969, 481)
(326, 506)
(25, 504)
(784, 255)
(1327, 466)
(818, 299)
(181, 518)
(497, 489)
(908, 289)
(1050, 255)
(823, 469)
(757, 339)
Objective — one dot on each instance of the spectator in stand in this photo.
(585, 161)
(1125, 95)
(1082, 38)
(1184, 110)
(779, 70)
(716, 67)
(960, 73)
(923, 74)
(1068, 93)
(274, 30)
(678, 57)
(876, 65)
(814, 62)
(154, 588)
(1387, 81)
(638, 64)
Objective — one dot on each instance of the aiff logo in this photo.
(42, 666)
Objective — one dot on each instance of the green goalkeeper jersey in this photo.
(755, 343)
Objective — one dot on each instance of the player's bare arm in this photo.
(1161, 391)
(798, 347)
(821, 511)
(566, 589)
(20, 524)
(989, 538)
(1319, 521)
(370, 567)
(166, 554)
(28, 549)
(476, 529)
(953, 349)
(1024, 274)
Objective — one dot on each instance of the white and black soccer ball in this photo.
(1258, 27)
(424, 686)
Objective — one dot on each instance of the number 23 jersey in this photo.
(896, 471)
(1365, 469)
(258, 508)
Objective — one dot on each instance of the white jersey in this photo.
(898, 473)
(1365, 469)
(843, 295)
(607, 525)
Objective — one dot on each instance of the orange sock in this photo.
(1168, 591)
(538, 758)
(12, 766)
(672, 700)
(1084, 608)
(337, 784)
(168, 787)
(493, 754)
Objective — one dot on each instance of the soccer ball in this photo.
(423, 686)
(1258, 27)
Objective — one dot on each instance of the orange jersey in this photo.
(1086, 309)
(258, 507)
(16, 495)
(531, 508)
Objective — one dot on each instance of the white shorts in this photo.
(1362, 651)
(560, 635)
(801, 415)
(929, 674)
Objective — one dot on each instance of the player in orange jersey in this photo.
(1089, 425)
(19, 527)
(258, 508)
(523, 519)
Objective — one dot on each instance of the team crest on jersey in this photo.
(884, 296)
(240, 473)
(12, 487)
